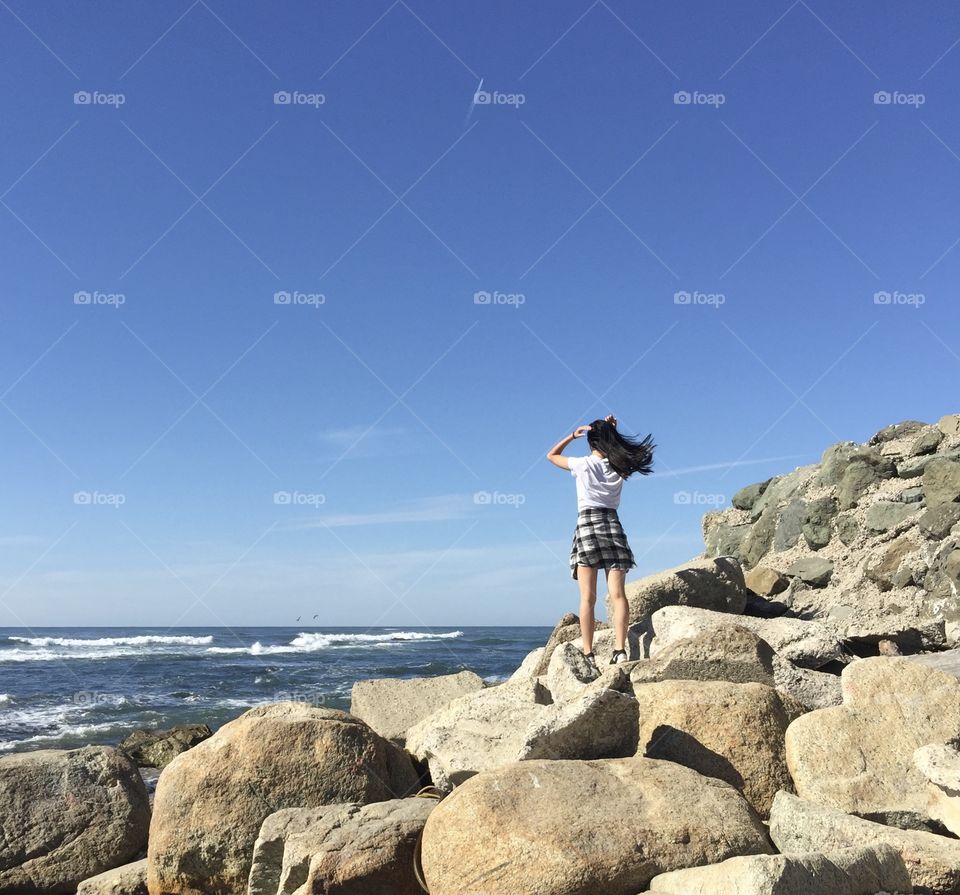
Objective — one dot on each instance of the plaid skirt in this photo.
(599, 541)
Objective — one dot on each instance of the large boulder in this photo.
(130, 879)
(392, 705)
(705, 583)
(565, 630)
(940, 765)
(932, 861)
(733, 732)
(510, 722)
(348, 848)
(66, 816)
(157, 748)
(582, 827)
(858, 757)
(809, 644)
(941, 481)
(211, 801)
(848, 871)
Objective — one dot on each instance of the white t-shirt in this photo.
(597, 484)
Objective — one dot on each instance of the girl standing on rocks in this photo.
(599, 540)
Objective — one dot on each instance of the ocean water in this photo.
(66, 687)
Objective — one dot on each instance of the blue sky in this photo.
(148, 367)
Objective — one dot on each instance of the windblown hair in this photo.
(626, 455)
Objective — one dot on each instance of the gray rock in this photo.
(340, 848)
(790, 524)
(932, 861)
(758, 541)
(68, 816)
(782, 488)
(887, 514)
(914, 467)
(720, 653)
(926, 442)
(722, 538)
(834, 461)
(864, 470)
(812, 570)
(569, 672)
(393, 705)
(937, 521)
(849, 871)
(706, 583)
(746, 497)
(157, 748)
(816, 526)
(947, 661)
(810, 689)
(911, 495)
(130, 879)
(848, 529)
(898, 430)
(941, 481)
(889, 567)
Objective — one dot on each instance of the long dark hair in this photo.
(626, 455)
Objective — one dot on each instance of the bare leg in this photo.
(587, 579)
(618, 603)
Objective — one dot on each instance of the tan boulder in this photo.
(66, 815)
(849, 871)
(130, 879)
(347, 848)
(940, 765)
(858, 757)
(932, 861)
(392, 705)
(582, 828)
(212, 800)
(733, 732)
(765, 581)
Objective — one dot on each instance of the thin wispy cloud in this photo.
(430, 509)
(732, 464)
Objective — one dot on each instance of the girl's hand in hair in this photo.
(580, 431)
(611, 419)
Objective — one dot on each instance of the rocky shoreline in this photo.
(788, 722)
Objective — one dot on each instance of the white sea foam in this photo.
(306, 642)
(94, 643)
(5, 699)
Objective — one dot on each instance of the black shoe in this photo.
(619, 655)
(591, 660)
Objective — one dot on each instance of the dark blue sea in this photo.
(66, 687)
